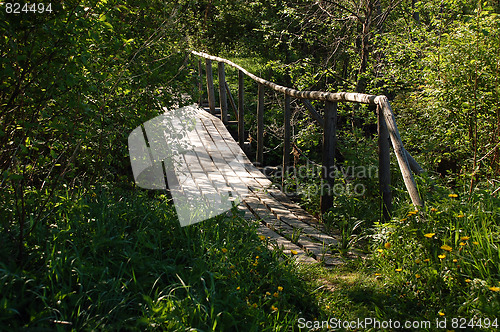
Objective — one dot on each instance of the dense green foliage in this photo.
(76, 81)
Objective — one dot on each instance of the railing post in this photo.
(241, 110)
(400, 152)
(200, 83)
(329, 145)
(286, 139)
(260, 126)
(210, 86)
(384, 164)
(222, 92)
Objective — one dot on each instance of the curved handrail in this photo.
(314, 95)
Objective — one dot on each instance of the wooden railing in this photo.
(386, 125)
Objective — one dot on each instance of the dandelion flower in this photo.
(442, 256)
(294, 252)
(429, 235)
(446, 247)
(280, 289)
(453, 195)
(387, 245)
(465, 238)
(495, 289)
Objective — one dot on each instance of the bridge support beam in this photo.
(241, 110)
(210, 86)
(286, 140)
(384, 164)
(222, 92)
(329, 145)
(260, 126)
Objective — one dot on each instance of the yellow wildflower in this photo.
(446, 247)
(294, 252)
(417, 275)
(434, 210)
(273, 308)
(465, 238)
(254, 305)
(377, 274)
(280, 289)
(224, 250)
(454, 261)
(238, 288)
(429, 235)
(256, 257)
(495, 289)
(387, 245)
(399, 270)
(380, 250)
(404, 219)
(467, 280)
(412, 212)
(462, 244)
(442, 256)
(460, 216)
(276, 294)
(441, 313)
(267, 293)
(417, 261)
(476, 243)
(262, 237)
(453, 195)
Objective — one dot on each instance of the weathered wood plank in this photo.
(260, 126)
(222, 92)
(210, 86)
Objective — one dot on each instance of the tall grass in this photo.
(118, 260)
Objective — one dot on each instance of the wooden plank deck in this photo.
(215, 160)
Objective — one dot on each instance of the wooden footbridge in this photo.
(282, 221)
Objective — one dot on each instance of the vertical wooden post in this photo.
(260, 126)
(210, 86)
(200, 83)
(400, 152)
(384, 164)
(329, 145)
(222, 92)
(286, 139)
(241, 110)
